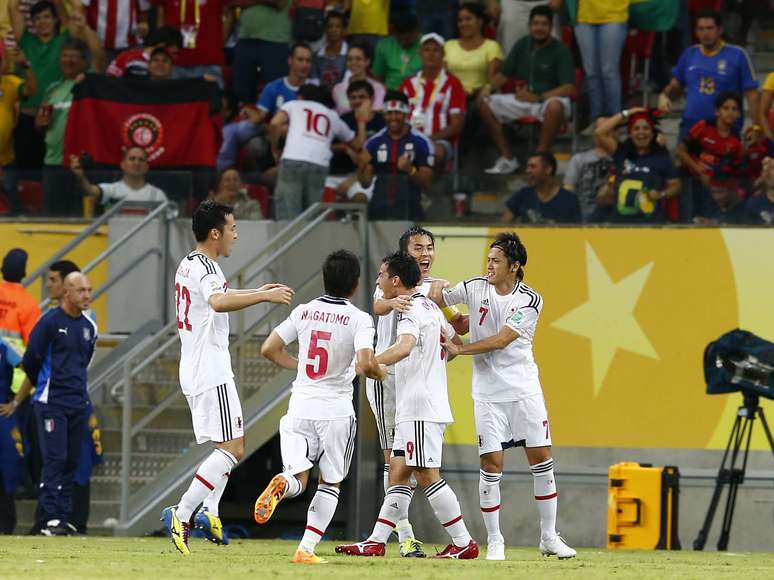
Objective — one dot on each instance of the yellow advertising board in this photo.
(627, 315)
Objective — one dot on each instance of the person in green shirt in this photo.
(60, 196)
(545, 82)
(264, 37)
(397, 57)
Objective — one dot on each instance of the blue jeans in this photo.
(601, 46)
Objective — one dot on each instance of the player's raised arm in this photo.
(383, 306)
(366, 365)
(398, 351)
(273, 348)
(237, 300)
(497, 342)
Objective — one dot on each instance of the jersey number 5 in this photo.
(318, 353)
(182, 292)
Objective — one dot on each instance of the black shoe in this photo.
(57, 528)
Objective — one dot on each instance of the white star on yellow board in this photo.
(607, 317)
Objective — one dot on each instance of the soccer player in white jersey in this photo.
(508, 401)
(419, 243)
(422, 414)
(319, 427)
(203, 301)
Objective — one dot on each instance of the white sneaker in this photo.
(503, 166)
(556, 547)
(495, 550)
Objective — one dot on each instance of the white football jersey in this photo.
(311, 130)
(420, 379)
(386, 325)
(205, 361)
(509, 374)
(329, 331)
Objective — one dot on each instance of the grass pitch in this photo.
(155, 558)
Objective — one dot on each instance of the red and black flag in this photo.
(175, 121)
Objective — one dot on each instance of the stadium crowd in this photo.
(405, 93)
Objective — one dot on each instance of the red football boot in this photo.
(469, 552)
(362, 549)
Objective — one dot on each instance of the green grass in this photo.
(155, 559)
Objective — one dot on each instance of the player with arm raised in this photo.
(508, 401)
(203, 301)
(419, 243)
(422, 414)
(319, 427)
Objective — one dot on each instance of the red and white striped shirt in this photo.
(433, 101)
(114, 20)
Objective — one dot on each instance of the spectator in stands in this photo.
(232, 192)
(545, 83)
(586, 174)
(397, 57)
(201, 25)
(512, 17)
(60, 197)
(708, 69)
(644, 175)
(330, 60)
(342, 177)
(264, 36)
(161, 66)
(436, 99)
(726, 208)
(401, 160)
(439, 16)
(310, 125)
(544, 200)
(358, 63)
(712, 151)
(132, 185)
(600, 31)
(765, 110)
(134, 62)
(759, 209)
(42, 46)
(119, 25)
(368, 20)
(12, 89)
(473, 58)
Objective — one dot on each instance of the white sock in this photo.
(404, 528)
(212, 473)
(545, 495)
(447, 510)
(212, 501)
(394, 509)
(294, 486)
(489, 500)
(386, 477)
(319, 516)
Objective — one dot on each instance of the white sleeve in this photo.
(407, 324)
(448, 330)
(287, 329)
(523, 320)
(456, 295)
(364, 333)
(158, 194)
(109, 192)
(288, 107)
(211, 283)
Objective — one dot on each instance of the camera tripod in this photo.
(738, 445)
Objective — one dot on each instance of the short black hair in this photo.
(728, 96)
(712, 14)
(42, 6)
(547, 159)
(341, 272)
(125, 151)
(396, 96)
(510, 244)
(476, 9)
(161, 50)
(335, 14)
(405, 22)
(210, 214)
(316, 93)
(542, 10)
(404, 267)
(299, 44)
(360, 85)
(78, 46)
(63, 268)
(362, 46)
(403, 243)
(166, 35)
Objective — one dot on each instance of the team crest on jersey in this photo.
(485, 302)
(49, 425)
(381, 154)
(722, 67)
(86, 334)
(215, 285)
(518, 317)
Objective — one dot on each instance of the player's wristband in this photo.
(451, 312)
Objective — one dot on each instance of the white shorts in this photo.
(513, 424)
(381, 397)
(420, 442)
(329, 443)
(507, 108)
(217, 414)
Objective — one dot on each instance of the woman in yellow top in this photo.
(764, 116)
(600, 30)
(472, 58)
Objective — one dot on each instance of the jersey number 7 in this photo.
(317, 353)
(182, 292)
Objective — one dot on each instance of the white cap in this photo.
(434, 36)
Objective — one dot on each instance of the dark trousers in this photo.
(7, 511)
(61, 196)
(30, 148)
(61, 430)
(252, 54)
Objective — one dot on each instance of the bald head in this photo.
(77, 292)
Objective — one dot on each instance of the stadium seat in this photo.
(638, 50)
(30, 196)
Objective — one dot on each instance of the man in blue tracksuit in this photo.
(60, 349)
